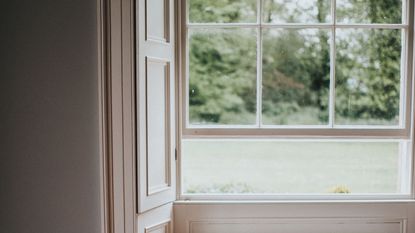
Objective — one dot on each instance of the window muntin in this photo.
(332, 101)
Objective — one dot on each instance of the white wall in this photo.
(49, 170)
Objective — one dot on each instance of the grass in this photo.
(230, 166)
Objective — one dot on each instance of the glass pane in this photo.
(369, 11)
(368, 72)
(222, 11)
(222, 72)
(291, 167)
(298, 11)
(296, 76)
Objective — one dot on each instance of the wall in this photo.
(49, 158)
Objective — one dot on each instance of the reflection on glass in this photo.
(290, 167)
(368, 71)
(298, 11)
(296, 76)
(222, 76)
(369, 11)
(222, 11)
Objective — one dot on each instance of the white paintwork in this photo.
(297, 225)
(358, 217)
(155, 103)
(158, 220)
(157, 20)
(118, 115)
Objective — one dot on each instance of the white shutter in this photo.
(155, 103)
(159, 220)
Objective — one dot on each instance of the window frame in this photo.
(403, 131)
(400, 131)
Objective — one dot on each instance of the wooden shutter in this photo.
(155, 103)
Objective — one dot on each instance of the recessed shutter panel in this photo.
(155, 103)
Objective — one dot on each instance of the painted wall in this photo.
(49, 159)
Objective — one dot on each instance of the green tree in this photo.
(368, 68)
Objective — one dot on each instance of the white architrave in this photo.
(117, 82)
(117, 115)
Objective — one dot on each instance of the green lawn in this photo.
(248, 166)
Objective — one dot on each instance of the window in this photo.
(271, 132)
(306, 98)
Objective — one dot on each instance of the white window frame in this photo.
(401, 131)
(404, 131)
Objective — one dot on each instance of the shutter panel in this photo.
(155, 103)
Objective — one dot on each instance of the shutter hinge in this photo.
(175, 154)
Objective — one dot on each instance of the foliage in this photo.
(223, 11)
(221, 188)
(340, 189)
(239, 187)
(223, 76)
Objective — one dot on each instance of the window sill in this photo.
(326, 201)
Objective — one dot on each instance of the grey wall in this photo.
(49, 170)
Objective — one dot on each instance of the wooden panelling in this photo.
(295, 217)
(298, 226)
(157, 20)
(155, 103)
(158, 125)
(157, 220)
